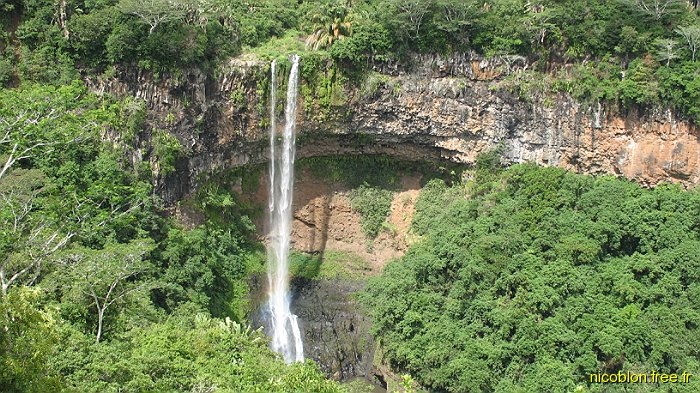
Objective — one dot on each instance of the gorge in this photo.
(336, 196)
(440, 110)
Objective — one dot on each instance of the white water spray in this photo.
(286, 337)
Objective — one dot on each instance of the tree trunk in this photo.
(100, 317)
(63, 18)
(3, 285)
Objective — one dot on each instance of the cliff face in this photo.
(433, 109)
(336, 331)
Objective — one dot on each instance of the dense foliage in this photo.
(638, 53)
(99, 292)
(530, 279)
(374, 205)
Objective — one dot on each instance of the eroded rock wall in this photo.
(431, 108)
(336, 331)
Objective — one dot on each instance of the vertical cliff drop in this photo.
(284, 328)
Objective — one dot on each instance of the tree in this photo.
(691, 35)
(540, 23)
(331, 24)
(153, 12)
(456, 17)
(26, 238)
(106, 277)
(26, 140)
(666, 50)
(31, 127)
(414, 13)
(657, 9)
(27, 339)
(44, 202)
(42, 121)
(205, 266)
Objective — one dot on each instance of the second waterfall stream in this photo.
(284, 328)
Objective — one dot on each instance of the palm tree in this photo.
(331, 24)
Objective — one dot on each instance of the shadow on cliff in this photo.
(312, 209)
(320, 235)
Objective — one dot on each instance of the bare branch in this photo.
(691, 34)
(657, 9)
(153, 12)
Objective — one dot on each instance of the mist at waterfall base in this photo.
(283, 326)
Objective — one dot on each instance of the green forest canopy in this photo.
(529, 279)
(635, 52)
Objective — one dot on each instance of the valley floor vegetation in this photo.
(530, 279)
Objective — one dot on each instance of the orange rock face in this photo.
(435, 109)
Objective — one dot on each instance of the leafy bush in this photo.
(6, 69)
(208, 267)
(90, 33)
(267, 19)
(370, 41)
(639, 86)
(166, 149)
(27, 343)
(680, 85)
(373, 204)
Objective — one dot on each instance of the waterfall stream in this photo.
(286, 336)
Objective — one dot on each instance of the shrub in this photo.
(166, 149)
(373, 204)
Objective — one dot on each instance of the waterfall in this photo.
(286, 337)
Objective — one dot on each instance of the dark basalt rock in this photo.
(335, 330)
